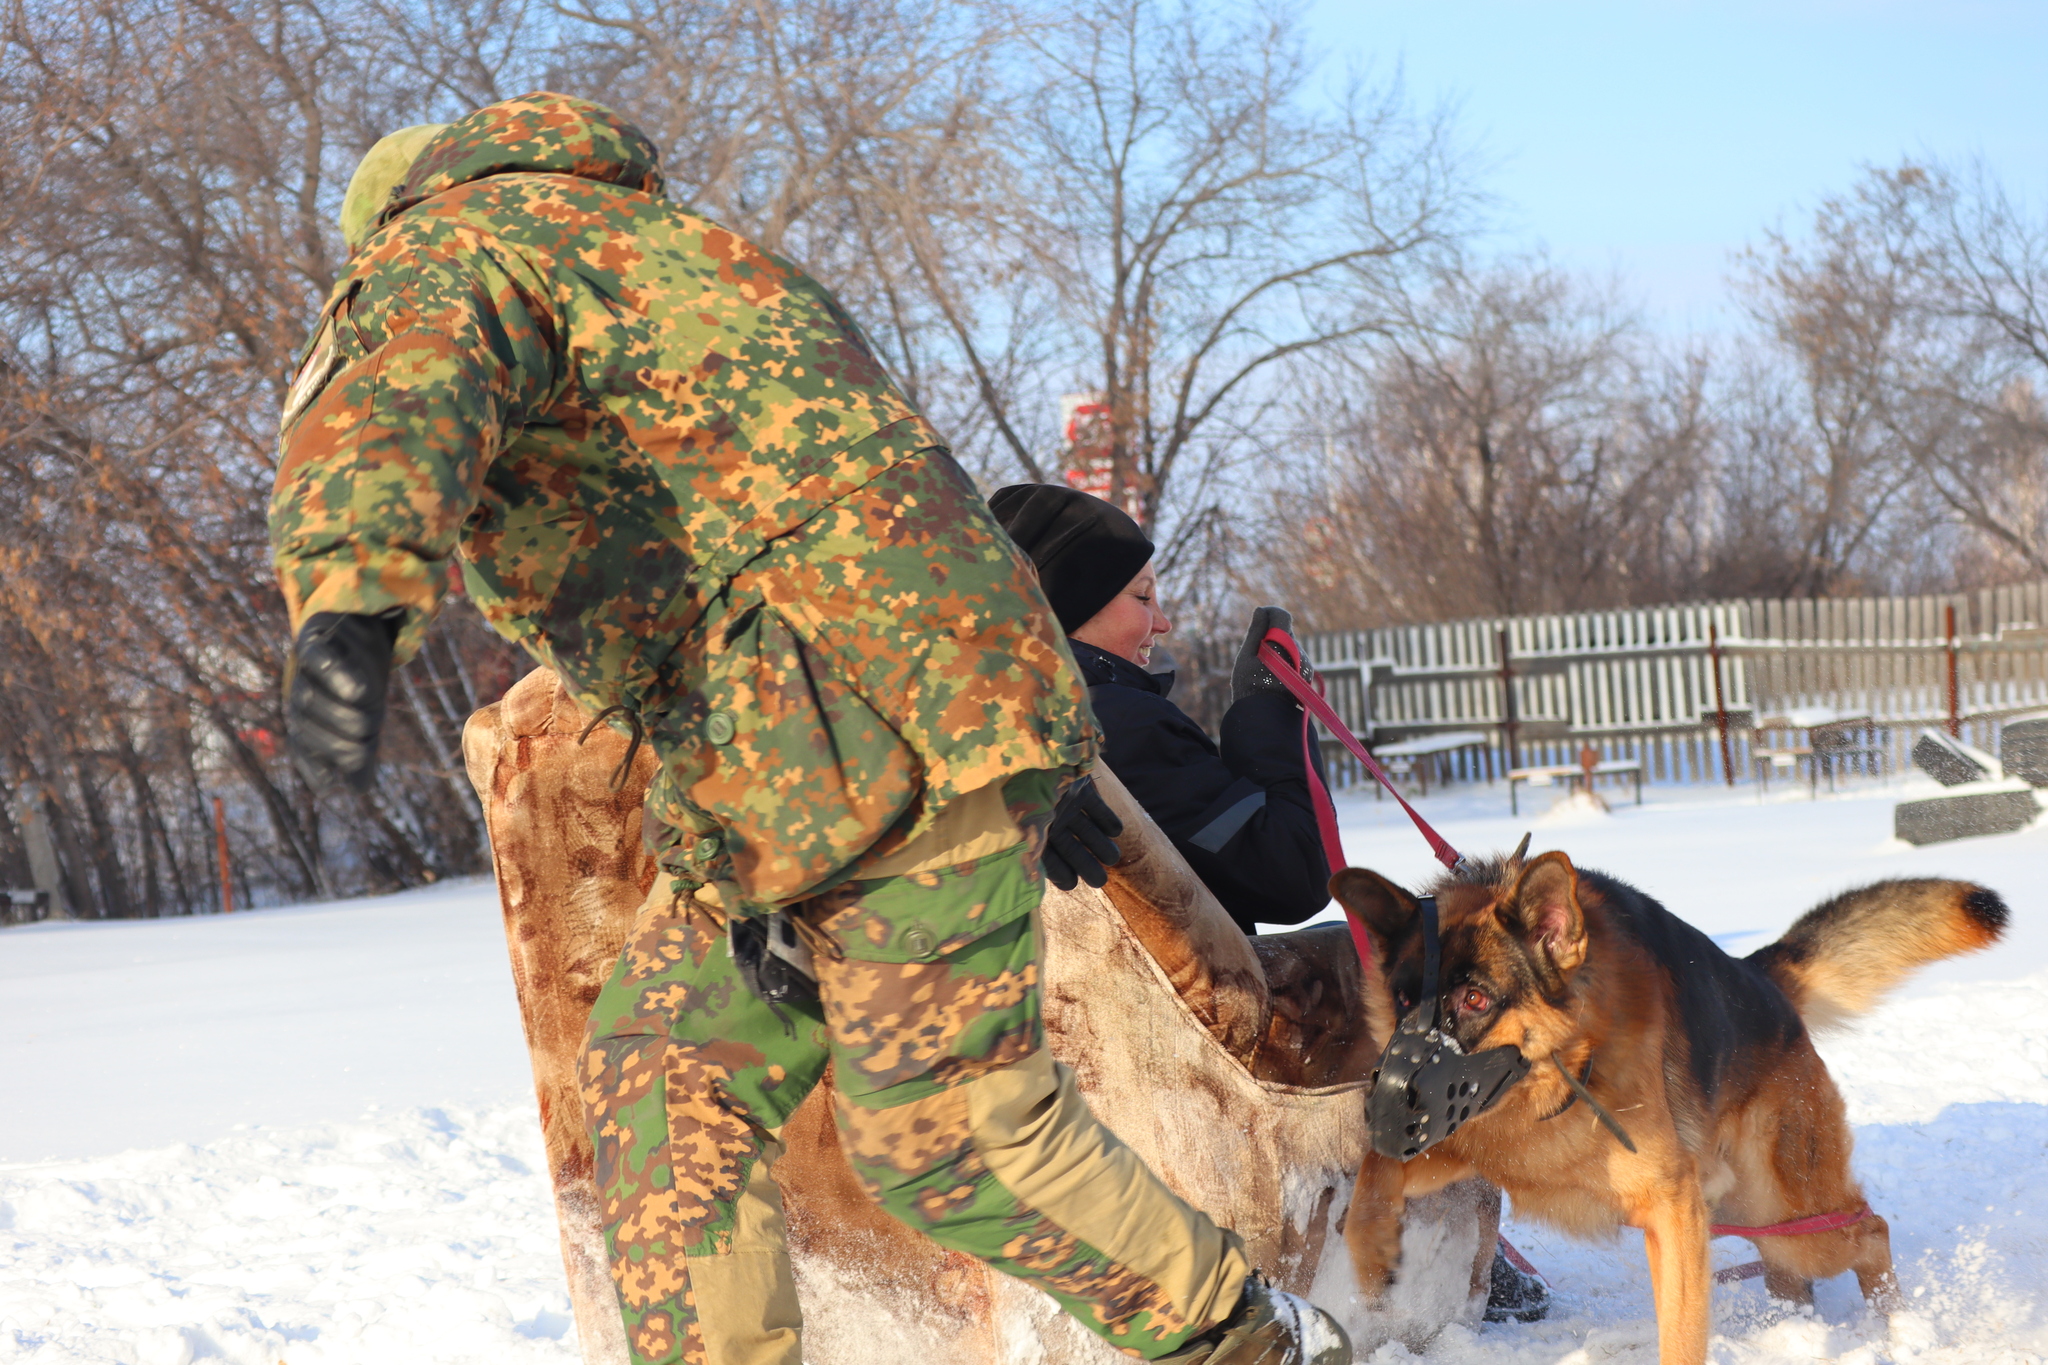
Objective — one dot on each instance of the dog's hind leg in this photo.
(1873, 1264)
(1797, 1165)
(1792, 1264)
(1781, 1282)
(1866, 1248)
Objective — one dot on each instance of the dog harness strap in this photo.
(1585, 1074)
(1432, 957)
(1276, 659)
(1798, 1227)
(1579, 1091)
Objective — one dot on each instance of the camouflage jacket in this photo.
(604, 408)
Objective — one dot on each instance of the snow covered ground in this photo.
(300, 1135)
(307, 1135)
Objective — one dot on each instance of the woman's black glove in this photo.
(334, 697)
(1250, 674)
(1080, 844)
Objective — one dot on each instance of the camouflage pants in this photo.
(949, 1109)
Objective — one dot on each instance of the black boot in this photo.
(1268, 1327)
(1516, 1295)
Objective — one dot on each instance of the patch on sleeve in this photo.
(322, 360)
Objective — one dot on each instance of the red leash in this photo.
(1278, 653)
(1820, 1222)
(1275, 652)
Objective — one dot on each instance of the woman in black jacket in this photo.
(1239, 812)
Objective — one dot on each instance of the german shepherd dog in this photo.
(1702, 1059)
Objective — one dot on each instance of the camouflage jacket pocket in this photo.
(926, 916)
(769, 741)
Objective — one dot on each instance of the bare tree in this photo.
(1914, 315)
(1185, 219)
(1311, 393)
(174, 180)
(1967, 400)
(1510, 444)
(1838, 306)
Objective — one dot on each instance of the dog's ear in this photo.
(1542, 911)
(1386, 909)
(1521, 853)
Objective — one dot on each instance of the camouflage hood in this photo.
(538, 134)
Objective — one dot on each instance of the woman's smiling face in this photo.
(1132, 622)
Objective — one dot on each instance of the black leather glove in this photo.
(334, 697)
(1250, 674)
(1080, 844)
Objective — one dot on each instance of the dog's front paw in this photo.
(1375, 1254)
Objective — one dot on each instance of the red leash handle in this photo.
(1326, 827)
(1276, 652)
(1279, 653)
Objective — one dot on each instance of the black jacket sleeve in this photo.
(1240, 816)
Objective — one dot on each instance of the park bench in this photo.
(1415, 757)
(24, 907)
(1836, 742)
(1785, 759)
(1573, 775)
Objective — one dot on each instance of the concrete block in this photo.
(1952, 762)
(2024, 749)
(1989, 808)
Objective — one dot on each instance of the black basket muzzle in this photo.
(1427, 1086)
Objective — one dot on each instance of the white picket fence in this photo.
(1638, 683)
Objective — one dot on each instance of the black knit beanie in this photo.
(1086, 549)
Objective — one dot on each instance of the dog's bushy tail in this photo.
(1841, 957)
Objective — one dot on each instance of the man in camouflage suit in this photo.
(670, 466)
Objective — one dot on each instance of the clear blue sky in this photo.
(1652, 140)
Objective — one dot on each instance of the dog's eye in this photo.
(1475, 1001)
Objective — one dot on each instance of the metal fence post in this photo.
(1720, 702)
(1955, 701)
(1507, 701)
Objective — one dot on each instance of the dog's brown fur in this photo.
(1703, 1058)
